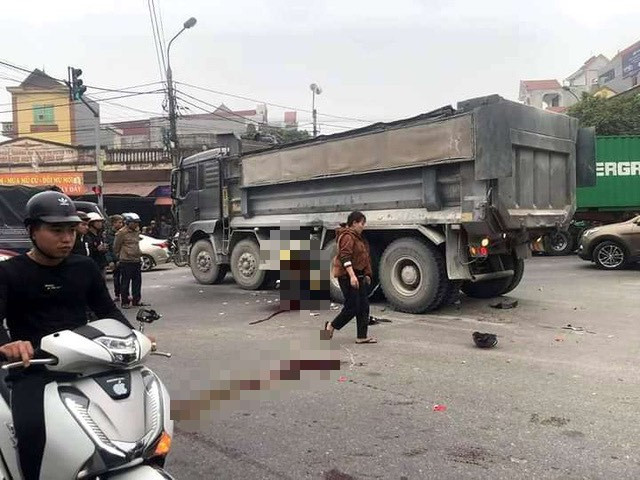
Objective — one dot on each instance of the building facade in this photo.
(42, 110)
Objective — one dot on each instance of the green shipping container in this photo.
(617, 176)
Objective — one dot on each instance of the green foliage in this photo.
(619, 115)
(290, 135)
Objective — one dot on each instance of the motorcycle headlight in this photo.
(123, 350)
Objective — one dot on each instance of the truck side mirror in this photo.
(174, 183)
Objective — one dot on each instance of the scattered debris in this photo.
(221, 313)
(201, 291)
(518, 460)
(342, 379)
(577, 329)
(540, 289)
(314, 314)
(464, 362)
(225, 303)
(485, 340)
(375, 320)
(559, 339)
(439, 408)
(505, 304)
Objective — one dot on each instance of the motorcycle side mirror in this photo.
(147, 315)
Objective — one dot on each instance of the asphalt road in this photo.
(547, 402)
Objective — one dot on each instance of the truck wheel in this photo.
(245, 265)
(203, 266)
(558, 243)
(610, 255)
(334, 288)
(518, 269)
(497, 286)
(413, 276)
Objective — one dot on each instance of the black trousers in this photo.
(117, 280)
(131, 276)
(356, 304)
(27, 408)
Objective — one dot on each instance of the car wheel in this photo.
(610, 255)
(147, 263)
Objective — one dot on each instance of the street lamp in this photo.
(173, 137)
(316, 90)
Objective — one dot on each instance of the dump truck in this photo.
(615, 196)
(452, 197)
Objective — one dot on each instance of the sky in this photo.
(375, 60)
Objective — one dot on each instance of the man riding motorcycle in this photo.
(44, 291)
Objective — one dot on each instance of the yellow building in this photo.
(42, 110)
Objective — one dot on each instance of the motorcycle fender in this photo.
(143, 472)
(67, 447)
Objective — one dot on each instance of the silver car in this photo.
(154, 252)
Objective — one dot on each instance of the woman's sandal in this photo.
(326, 334)
(366, 340)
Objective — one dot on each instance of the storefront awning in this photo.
(163, 202)
(142, 189)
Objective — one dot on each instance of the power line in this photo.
(97, 101)
(155, 41)
(218, 92)
(161, 37)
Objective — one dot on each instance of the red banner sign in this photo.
(69, 183)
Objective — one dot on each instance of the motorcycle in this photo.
(107, 416)
(179, 254)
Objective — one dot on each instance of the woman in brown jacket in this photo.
(352, 268)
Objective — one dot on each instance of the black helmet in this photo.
(51, 207)
(485, 340)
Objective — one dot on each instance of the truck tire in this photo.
(334, 288)
(497, 286)
(413, 275)
(245, 265)
(518, 269)
(610, 255)
(559, 243)
(203, 266)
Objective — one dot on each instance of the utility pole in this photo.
(76, 92)
(316, 90)
(171, 92)
(173, 134)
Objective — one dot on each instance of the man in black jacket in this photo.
(97, 247)
(42, 292)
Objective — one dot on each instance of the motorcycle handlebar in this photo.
(33, 361)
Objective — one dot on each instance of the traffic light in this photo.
(77, 85)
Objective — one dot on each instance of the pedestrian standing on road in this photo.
(153, 229)
(81, 247)
(165, 228)
(117, 222)
(127, 248)
(352, 267)
(97, 247)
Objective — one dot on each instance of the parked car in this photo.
(154, 252)
(7, 254)
(613, 246)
